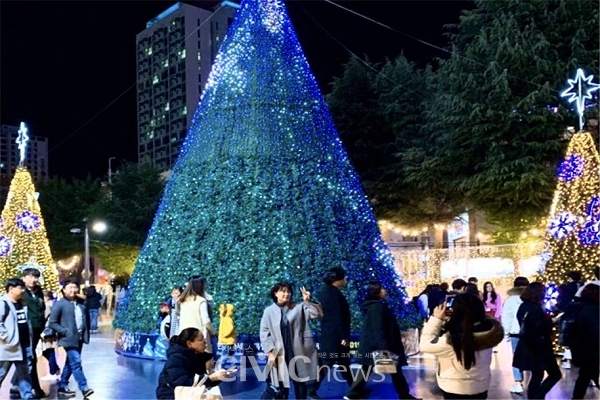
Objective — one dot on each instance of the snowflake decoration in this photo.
(5, 246)
(28, 221)
(562, 224)
(590, 233)
(550, 297)
(571, 168)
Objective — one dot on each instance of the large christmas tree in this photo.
(23, 240)
(263, 190)
(573, 236)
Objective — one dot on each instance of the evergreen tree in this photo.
(263, 190)
(504, 119)
(23, 241)
(573, 236)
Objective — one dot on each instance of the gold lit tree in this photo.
(23, 239)
(573, 235)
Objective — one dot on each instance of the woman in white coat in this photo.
(288, 341)
(195, 310)
(462, 344)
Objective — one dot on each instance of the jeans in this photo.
(517, 373)
(73, 366)
(35, 380)
(22, 371)
(94, 314)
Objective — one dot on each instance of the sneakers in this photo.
(65, 392)
(87, 393)
(566, 364)
(517, 388)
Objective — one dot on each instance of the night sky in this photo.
(68, 67)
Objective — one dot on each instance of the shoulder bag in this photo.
(385, 363)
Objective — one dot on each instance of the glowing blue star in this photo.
(579, 96)
(22, 140)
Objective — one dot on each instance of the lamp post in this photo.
(110, 170)
(97, 226)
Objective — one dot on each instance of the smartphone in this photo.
(450, 300)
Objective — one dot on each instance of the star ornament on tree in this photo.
(562, 224)
(5, 245)
(590, 233)
(22, 140)
(33, 264)
(580, 89)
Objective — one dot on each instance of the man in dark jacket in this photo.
(334, 341)
(380, 333)
(70, 320)
(33, 297)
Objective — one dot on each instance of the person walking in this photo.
(285, 334)
(534, 350)
(510, 323)
(93, 303)
(462, 344)
(15, 337)
(49, 344)
(586, 338)
(69, 319)
(335, 327)
(33, 297)
(380, 332)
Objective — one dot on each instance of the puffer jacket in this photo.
(180, 369)
(451, 376)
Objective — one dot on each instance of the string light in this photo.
(262, 186)
(23, 240)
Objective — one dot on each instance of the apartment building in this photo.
(174, 57)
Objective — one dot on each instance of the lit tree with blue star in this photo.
(262, 191)
(23, 240)
(573, 235)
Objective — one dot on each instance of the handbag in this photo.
(529, 335)
(385, 363)
(198, 391)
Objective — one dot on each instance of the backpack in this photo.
(567, 324)
(6, 311)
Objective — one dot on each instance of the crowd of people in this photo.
(30, 317)
(462, 327)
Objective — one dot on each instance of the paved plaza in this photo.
(116, 377)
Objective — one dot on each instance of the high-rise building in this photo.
(174, 57)
(36, 159)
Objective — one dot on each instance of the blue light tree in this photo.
(262, 190)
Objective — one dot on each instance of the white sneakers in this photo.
(517, 388)
(50, 377)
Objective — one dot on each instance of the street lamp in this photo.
(97, 226)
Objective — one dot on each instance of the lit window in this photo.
(167, 107)
(149, 51)
(166, 63)
(184, 112)
(152, 122)
(199, 56)
(150, 135)
(182, 53)
(155, 80)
